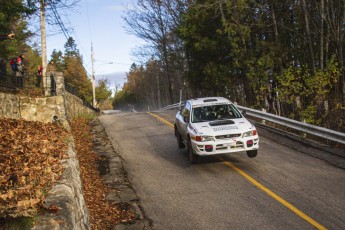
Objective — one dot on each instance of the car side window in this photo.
(183, 111)
(186, 111)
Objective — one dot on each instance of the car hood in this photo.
(221, 127)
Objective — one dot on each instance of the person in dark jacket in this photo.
(3, 69)
(20, 70)
(39, 76)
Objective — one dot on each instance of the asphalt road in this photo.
(279, 189)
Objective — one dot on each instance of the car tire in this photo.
(180, 143)
(193, 158)
(252, 153)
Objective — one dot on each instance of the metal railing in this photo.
(173, 106)
(314, 130)
(11, 82)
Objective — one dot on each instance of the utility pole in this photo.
(93, 78)
(44, 46)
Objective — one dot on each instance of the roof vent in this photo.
(210, 100)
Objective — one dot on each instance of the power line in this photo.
(88, 19)
(59, 21)
(65, 31)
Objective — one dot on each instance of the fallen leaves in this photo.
(30, 154)
(30, 162)
(53, 208)
(103, 214)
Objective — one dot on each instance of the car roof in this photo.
(208, 101)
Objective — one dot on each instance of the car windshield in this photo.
(215, 112)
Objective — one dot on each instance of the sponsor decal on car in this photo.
(225, 128)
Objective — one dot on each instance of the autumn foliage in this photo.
(30, 155)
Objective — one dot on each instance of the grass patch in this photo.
(17, 223)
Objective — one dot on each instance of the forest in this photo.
(285, 57)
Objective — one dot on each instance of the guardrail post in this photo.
(263, 121)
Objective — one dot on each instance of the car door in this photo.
(185, 120)
(179, 118)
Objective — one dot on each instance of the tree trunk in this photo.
(341, 55)
(335, 24)
(321, 32)
(309, 40)
(275, 102)
(158, 91)
(167, 69)
(44, 46)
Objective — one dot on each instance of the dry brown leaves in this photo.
(30, 154)
(103, 214)
(30, 162)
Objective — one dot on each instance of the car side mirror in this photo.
(244, 113)
(181, 105)
(186, 119)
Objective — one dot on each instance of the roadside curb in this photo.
(115, 176)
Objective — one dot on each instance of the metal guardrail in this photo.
(314, 130)
(173, 106)
(297, 125)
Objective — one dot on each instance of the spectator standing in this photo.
(51, 68)
(3, 70)
(20, 70)
(39, 76)
(13, 64)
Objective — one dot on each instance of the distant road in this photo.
(280, 189)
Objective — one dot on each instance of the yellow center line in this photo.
(260, 186)
(275, 196)
(162, 120)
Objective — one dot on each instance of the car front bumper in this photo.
(225, 146)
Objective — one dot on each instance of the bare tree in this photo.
(309, 39)
(156, 22)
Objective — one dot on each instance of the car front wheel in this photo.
(191, 156)
(252, 153)
(180, 143)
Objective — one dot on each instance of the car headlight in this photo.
(202, 138)
(250, 133)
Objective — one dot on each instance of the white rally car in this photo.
(213, 125)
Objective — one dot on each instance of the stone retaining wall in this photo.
(74, 107)
(46, 109)
(9, 106)
(67, 193)
(42, 109)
